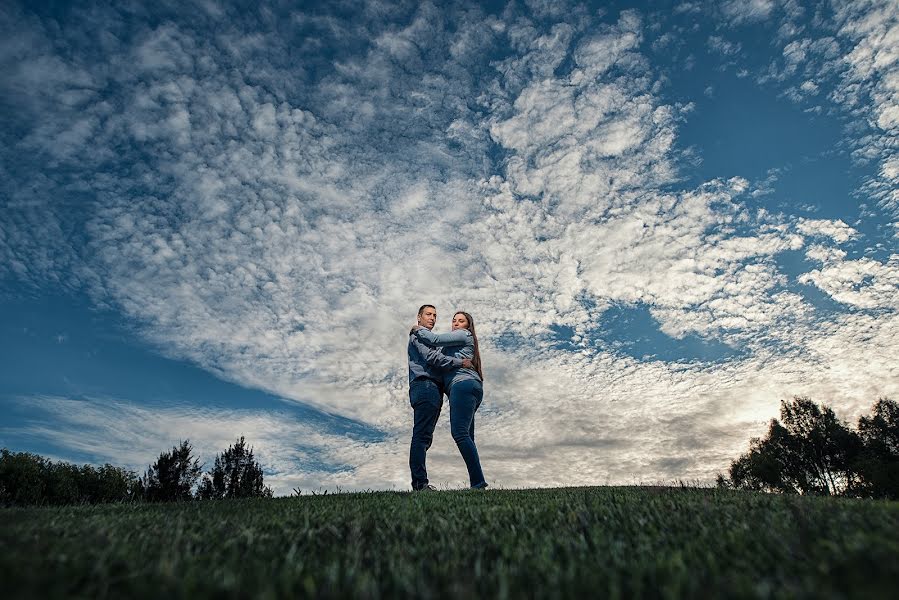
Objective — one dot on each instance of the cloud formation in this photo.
(272, 196)
(853, 57)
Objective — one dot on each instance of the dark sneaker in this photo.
(480, 486)
(427, 488)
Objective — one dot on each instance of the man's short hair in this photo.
(424, 306)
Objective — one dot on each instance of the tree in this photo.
(761, 468)
(236, 474)
(811, 452)
(173, 476)
(878, 463)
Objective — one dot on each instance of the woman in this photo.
(464, 387)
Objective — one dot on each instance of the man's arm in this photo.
(458, 337)
(438, 359)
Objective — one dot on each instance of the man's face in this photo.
(427, 317)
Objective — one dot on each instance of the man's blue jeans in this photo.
(465, 398)
(426, 398)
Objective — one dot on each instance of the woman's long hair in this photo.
(476, 361)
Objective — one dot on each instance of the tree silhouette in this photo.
(236, 474)
(173, 475)
(811, 451)
(878, 464)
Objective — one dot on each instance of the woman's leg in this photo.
(465, 397)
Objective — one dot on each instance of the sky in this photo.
(219, 219)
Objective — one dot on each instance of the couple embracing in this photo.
(444, 363)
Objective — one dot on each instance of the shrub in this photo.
(23, 478)
(29, 479)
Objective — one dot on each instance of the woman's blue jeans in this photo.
(465, 398)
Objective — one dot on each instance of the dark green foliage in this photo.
(28, 479)
(878, 465)
(111, 484)
(23, 478)
(810, 451)
(173, 476)
(236, 474)
(551, 543)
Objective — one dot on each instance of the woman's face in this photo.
(459, 321)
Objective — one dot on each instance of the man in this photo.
(426, 395)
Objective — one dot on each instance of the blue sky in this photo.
(219, 220)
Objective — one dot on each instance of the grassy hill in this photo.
(595, 542)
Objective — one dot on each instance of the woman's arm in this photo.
(459, 337)
(436, 358)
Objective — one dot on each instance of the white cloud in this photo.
(854, 62)
(870, 84)
(863, 283)
(747, 11)
(688, 7)
(722, 46)
(837, 230)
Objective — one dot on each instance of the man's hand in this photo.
(414, 329)
(466, 363)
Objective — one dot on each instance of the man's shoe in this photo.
(427, 488)
(480, 486)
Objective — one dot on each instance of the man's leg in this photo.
(426, 400)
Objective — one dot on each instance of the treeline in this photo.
(28, 479)
(810, 451)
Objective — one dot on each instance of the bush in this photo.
(23, 478)
(28, 479)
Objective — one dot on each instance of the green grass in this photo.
(597, 542)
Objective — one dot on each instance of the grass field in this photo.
(595, 542)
